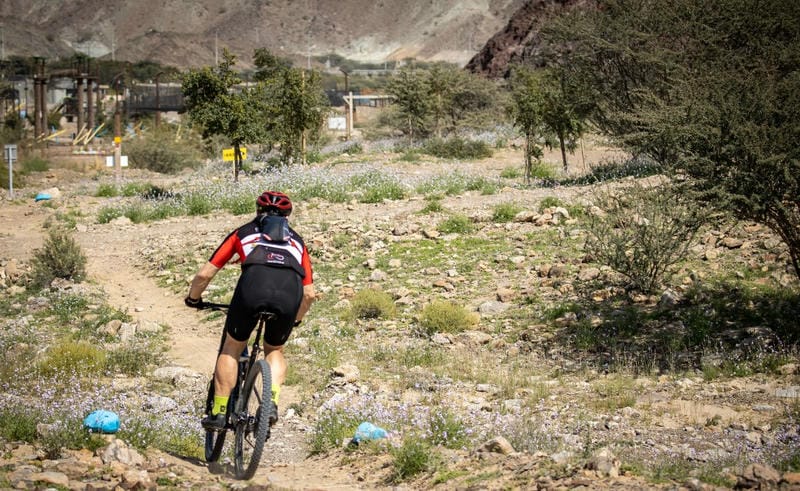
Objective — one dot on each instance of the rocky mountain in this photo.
(187, 33)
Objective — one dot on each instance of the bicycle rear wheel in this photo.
(252, 420)
(215, 440)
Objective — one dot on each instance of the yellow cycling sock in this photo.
(220, 405)
(276, 392)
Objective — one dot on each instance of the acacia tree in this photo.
(410, 91)
(293, 104)
(709, 88)
(561, 113)
(213, 103)
(526, 111)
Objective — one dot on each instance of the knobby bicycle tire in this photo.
(252, 425)
(215, 440)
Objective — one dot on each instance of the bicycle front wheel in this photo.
(252, 420)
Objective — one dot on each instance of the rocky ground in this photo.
(587, 427)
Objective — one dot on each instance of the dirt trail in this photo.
(113, 263)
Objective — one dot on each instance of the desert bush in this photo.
(69, 434)
(444, 316)
(413, 457)
(72, 358)
(59, 257)
(447, 429)
(457, 148)
(332, 429)
(133, 360)
(644, 232)
(505, 212)
(18, 423)
(34, 164)
(433, 205)
(372, 304)
(160, 151)
(511, 172)
(376, 186)
(456, 224)
(106, 191)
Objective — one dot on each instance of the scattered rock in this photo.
(496, 445)
(347, 373)
(604, 463)
(758, 476)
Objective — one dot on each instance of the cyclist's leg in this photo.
(227, 365)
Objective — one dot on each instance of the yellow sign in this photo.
(117, 140)
(228, 154)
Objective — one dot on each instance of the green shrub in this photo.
(34, 164)
(433, 205)
(197, 203)
(646, 230)
(59, 257)
(505, 212)
(413, 457)
(372, 304)
(161, 151)
(72, 358)
(132, 360)
(446, 429)
(69, 434)
(332, 430)
(457, 148)
(106, 191)
(239, 204)
(511, 172)
(543, 171)
(549, 202)
(108, 213)
(18, 423)
(444, 316)
(456, 224)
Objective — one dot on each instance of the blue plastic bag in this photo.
(367, 431)
(102, 421)
(42, 197)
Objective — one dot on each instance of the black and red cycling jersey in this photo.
(252, 248)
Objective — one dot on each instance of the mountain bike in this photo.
(248, 406)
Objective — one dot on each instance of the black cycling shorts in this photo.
(263, 288)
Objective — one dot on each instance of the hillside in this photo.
(185, 34)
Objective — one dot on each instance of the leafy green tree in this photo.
(293, 106)
(526, 111)
(411, 97)
(268, 65)
(214, 103)
(710, 88)
(561, 114)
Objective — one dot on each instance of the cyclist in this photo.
(276, 276)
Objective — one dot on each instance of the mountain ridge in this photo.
(190, 34)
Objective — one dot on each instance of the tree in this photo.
(526, 111)
(708, 88)
(214, 103)
(268, 65)
(561, 114)
(292, 103)
(410, 90)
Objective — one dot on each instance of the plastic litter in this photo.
(102, 421)
(42, 197)
(367, 432)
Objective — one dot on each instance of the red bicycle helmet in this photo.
(274, 202)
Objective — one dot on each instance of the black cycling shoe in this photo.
(214, 422)
(273, 413)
